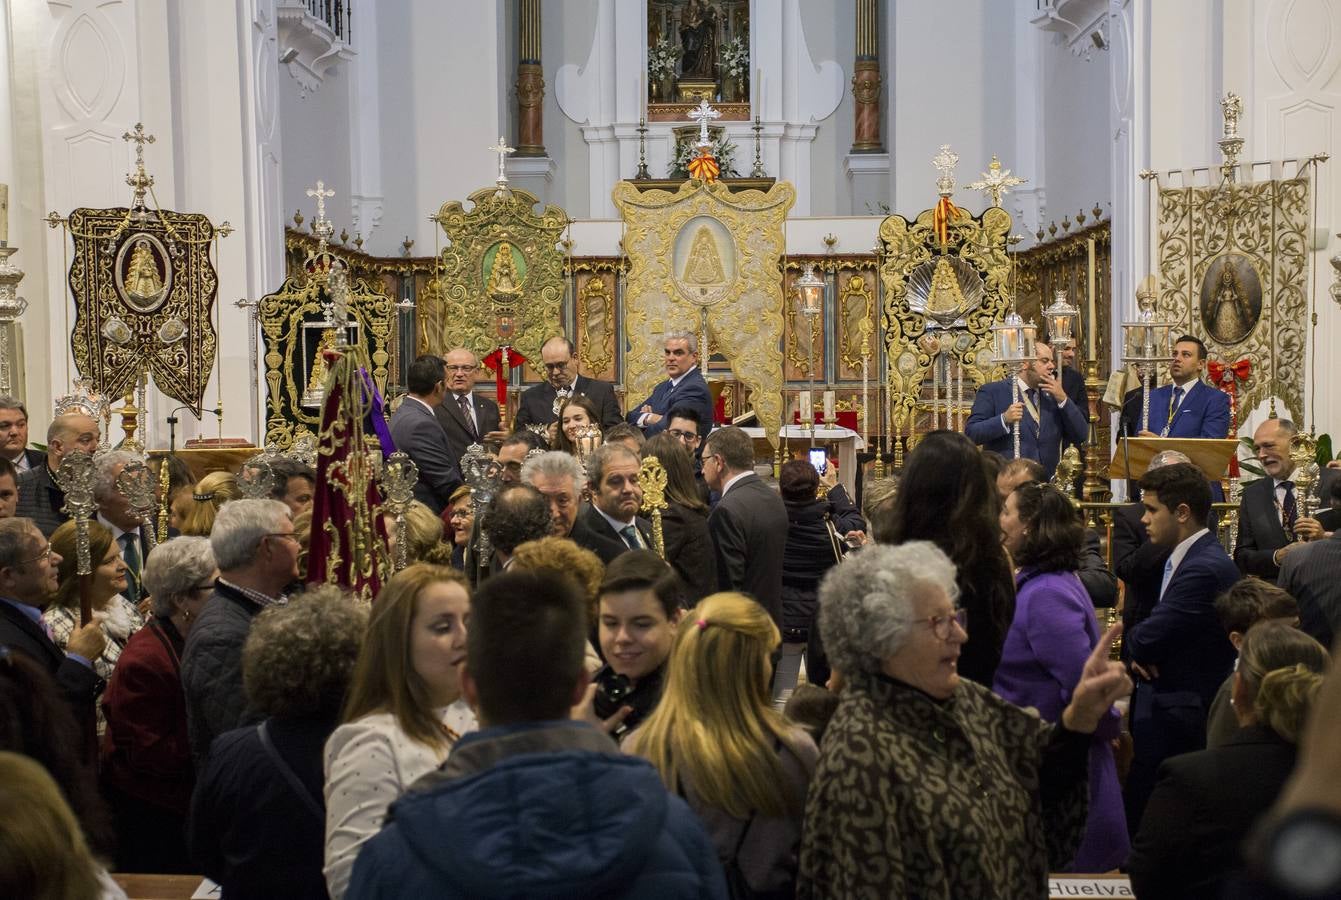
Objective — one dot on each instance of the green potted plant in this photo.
(734, 61)
(686, 148)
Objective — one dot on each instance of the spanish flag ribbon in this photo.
(945, 211)
(495, 362)
(1227, 378)
(704, 166)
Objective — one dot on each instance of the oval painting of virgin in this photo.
(1231, 298)
(143, 273)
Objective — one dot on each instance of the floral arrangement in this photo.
(686, 148)
(661, 59)
(734, 58)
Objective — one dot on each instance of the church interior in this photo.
(229, 231)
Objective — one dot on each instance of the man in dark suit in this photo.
(1271, 525)
(749, 523)
(1180, 653)
(684, 386)
(1136, 560)
(40, 498)
(9, 489)
(611, 525)
(1312, 574)
(415, 430)
(539, 404)
(1045, 414)
(114, 514)
(14, 435)
(1187, 407)
(465, 417)
(27, 583)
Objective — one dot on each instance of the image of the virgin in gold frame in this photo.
(703, 262)
(945, 289)
(1231, 298)
(143, 272)
(318, 337)
(503, 269)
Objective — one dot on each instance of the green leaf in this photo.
(1324, 453)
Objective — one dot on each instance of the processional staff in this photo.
(75, 478)
(652, 479)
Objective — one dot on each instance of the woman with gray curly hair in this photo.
(146, 751)
(258, 817)
(963, 794)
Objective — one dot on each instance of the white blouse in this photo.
(369, 764)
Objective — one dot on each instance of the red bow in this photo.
(1227, 378)
(495, 362)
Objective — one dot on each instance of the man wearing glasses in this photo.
(466, 417)
(540, 404)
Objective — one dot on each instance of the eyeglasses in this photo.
(45, 554)
(291, 535)
(461, 514)
(557, 367)
(688, 437)
(461, 368)
(940, 625)
(197, 588)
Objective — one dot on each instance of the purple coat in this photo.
(1052, 635)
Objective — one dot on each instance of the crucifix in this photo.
(502, 149)
(996, 181)
(703, 113)
(139, 182)
(321, 227)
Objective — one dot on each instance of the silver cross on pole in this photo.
(322, 228)
(703, 113)
(502, 149)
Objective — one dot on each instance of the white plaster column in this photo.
(366, 199)
(1129, 118)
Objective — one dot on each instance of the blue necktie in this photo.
(1168, 574)
(1173, 405)
(631, 537)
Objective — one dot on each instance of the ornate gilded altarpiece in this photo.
(144, 290)
(455, 309)
(597, 325)
(294, 332)
(1233, 264)
(704, 250)
(960, 289)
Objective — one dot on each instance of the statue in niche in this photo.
(1231, 299)
(704, 265)
(698, 40)
(945, 296)
(503, 275)
(316, 382)
(143, 280)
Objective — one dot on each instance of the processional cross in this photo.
(502, 149)
(140, 181)
(703, 113)
(996, 181)
(321, 227)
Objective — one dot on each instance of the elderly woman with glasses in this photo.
(146, 754)
(929, 785)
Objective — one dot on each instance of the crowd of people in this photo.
(771, 693)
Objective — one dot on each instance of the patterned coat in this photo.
(913, 797)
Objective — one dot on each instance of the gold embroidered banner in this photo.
(144, 290)
(1233, 264)
(706, 249)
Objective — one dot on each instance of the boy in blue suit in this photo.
(1044, 413)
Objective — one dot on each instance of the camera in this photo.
(611, 690)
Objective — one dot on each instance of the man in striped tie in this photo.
(114, 515)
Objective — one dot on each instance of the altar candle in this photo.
(1093, 323)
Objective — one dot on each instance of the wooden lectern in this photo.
(1132, 456)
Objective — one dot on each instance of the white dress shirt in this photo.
(732, 480)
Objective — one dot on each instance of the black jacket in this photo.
(593, 532)
(77, 682)
(212, 668)
(251, 831)
(809, 555)
(1201, 810)
(749, 531)
(536, 406)
(689, 548)
(453, 422)
(41, 500)
(1139, 563)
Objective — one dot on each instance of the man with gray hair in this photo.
(1137, 561)
(40, 498)
(114, 514)
(684, 386)
(14, 435)
(257, 554)
(559, 477)
(611, 525)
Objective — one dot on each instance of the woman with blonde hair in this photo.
(404, 711)
(735, 760)
(210, 493)
(42, 851)
(423, 536)
(1205, 803)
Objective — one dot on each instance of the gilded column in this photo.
(530, 82)
(866, 80)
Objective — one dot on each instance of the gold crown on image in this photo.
(82, 400)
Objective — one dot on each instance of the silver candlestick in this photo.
(12, 306)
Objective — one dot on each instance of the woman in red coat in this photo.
(146, 756)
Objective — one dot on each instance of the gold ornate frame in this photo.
(747, 325)
(455, 309)
(282, 317)
(979, 241)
